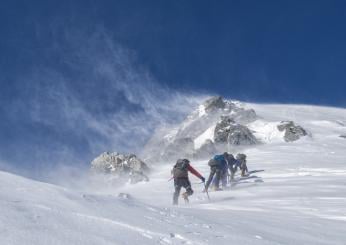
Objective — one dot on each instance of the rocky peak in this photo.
(292, 132)
(214, 103)
(181, 140)
(122, 166)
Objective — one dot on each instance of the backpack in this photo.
(220, 161)
(180, 169)
(212, 163)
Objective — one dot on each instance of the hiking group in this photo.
(222, 168)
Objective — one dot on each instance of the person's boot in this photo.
(185, 195)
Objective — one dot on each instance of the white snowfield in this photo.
(296, 195)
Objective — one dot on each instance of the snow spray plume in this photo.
(91, 97)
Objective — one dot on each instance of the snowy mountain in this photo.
(295, 194)
(218, 125)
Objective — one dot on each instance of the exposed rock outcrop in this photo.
(292, 132)
(343, 136)
(122, 166)
(241, 135)
(209, 113)
(229, 132)
(214, 103)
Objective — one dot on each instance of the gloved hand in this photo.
(203, 179)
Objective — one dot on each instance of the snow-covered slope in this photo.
(296, 196)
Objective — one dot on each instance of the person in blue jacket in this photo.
(218, 168)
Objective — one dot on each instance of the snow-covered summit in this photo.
(218, 124)
(209, 113)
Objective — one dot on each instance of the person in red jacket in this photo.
(181, 179)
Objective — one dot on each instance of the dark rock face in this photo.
(222, 129)
(214, 103)
(241, 135)
(126, 167)
(292, 132)
(225, 107)
(227, 131)
(343, 136)
(207, 149)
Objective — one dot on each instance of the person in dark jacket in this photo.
(243, 166)
(181, 179)
(232, 163)
(218, 167)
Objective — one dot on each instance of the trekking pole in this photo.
(206, 191)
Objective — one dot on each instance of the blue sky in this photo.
(80, 77)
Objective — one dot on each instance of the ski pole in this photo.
(206, 191)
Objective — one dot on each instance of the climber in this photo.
(181, 179)
(232, 163)
(242, 163)
(218, 167)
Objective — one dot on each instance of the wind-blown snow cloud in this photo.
(92, 97)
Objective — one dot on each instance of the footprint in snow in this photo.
(125, 196)
(207, 226)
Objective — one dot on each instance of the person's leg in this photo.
(211, 175)
(217, 179)
(242, 169)
(187, 185)
(233, 170)
(188, 188)
(177, 187)
(224, 178)
(245, 166)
